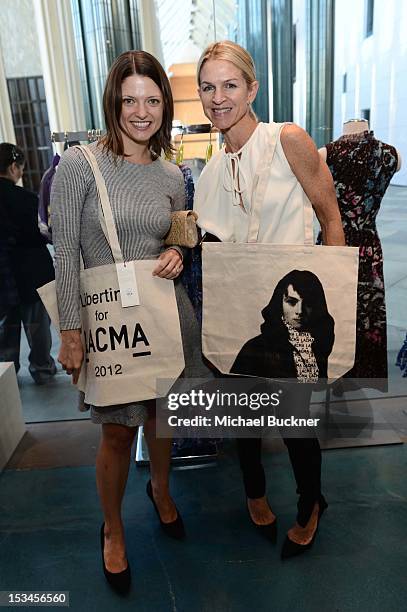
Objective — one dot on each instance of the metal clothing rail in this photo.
(196, 128)
(89, 135)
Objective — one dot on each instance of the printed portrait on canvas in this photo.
(297, 335)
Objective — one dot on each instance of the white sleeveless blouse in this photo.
(220, 191)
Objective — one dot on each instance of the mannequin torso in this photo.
(362, 168)
(355, 126)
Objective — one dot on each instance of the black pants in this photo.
(304, 452)
(305, 457)
(36, 324)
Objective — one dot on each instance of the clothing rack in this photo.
(195, 128)
(89, 135)
(191, 460)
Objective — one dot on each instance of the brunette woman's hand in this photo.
(71, 353)
(169, 265)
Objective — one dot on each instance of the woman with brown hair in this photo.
(143, 191)
(227, 88)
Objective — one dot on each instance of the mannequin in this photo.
(356, 126)
(362, 168)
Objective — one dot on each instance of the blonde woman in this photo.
(227, 88)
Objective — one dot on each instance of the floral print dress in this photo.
(362, 168)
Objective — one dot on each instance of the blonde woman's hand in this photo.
(71, 353)
(169, 265)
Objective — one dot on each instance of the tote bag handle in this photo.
(260, 185)
(107, 221)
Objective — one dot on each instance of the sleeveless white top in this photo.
(225, 184)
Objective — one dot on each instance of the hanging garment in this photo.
(192, 274)
(362, 168)
(401, 361)
(192, 280)
(44, 200)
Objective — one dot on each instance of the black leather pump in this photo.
(292, 549)
(268, 531)
(176, 528)
(120, 582)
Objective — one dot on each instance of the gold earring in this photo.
(209, 148)
(180, 153)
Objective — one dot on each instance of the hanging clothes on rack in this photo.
(69, 139)
(44, 200)
(401, 361)
(192, 448)
(192, 274)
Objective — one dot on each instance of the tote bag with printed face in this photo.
(279, 311)
(126, 349)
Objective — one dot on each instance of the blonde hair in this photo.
(233, 53)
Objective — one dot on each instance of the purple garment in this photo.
(44, 200)
(192, 273)
(402, 359)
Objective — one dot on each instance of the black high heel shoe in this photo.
(120, 582)
(176, 528)
(292, 549)
(268, 531)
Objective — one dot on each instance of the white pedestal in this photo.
(12, 426)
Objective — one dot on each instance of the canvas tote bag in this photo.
(125, 349)
(242, 321)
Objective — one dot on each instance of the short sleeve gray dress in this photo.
(142, 198)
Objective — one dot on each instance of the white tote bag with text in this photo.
(126, 349)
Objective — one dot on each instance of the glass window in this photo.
(369, 17)
(365, 112)
(31, 125)
(41, 89)
(32, 86)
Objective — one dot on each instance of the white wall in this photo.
(19, 39)
(376, 69)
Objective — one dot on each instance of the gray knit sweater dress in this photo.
(142, 198)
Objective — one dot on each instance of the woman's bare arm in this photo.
(316, 180)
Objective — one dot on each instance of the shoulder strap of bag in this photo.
(107, 221)
(260, 185)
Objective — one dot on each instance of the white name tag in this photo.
(128, 284)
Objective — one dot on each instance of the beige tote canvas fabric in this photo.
(242, 302)
(126, 349)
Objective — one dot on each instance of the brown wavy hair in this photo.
(144, 64)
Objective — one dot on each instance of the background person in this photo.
(143, 191)
(26, 264)
(227, 87)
